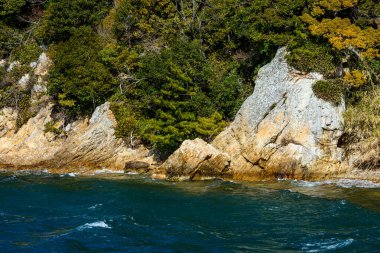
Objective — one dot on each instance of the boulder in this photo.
(136, 166)
(196, 159)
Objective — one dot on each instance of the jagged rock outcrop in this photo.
(281, 130)
(44, 142)
(8, 117)
(197, 159)
(41, 71)
(87, 143)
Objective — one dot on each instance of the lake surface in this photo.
(127, 213)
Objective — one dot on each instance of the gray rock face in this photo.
(24, 81)
(41, 71)
(283, 129)
(3, 63)
(42, 65)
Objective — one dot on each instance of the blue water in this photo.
(135, 214)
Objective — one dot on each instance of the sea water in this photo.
(130, 213)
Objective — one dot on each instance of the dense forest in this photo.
(180, 69)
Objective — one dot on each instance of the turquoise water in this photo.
(135, 214)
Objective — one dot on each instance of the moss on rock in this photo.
(331, 90)
(313, 58)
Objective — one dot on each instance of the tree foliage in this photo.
(341, 23)
(63, 17)
(176, 96)
(8, 7)
(181, 69)
(79, 81)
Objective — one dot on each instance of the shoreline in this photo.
(107, 173)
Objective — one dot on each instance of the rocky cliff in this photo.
(45, 142)
(282, 130)
(83, 145)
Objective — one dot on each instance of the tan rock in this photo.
(43, 65)
(281, 131)
(8, 117)
(196, 159)
(88, 143)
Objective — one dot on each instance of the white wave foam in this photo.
(71, 174)
(107, 171)
(94, 206)
(307, 183)
(97, 224)
(349, 183)
(344, 183)
(331, 244)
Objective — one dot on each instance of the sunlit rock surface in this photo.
(88, 143)
(197, 159)
(281, 130)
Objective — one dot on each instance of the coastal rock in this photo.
(88, 143)
(42, 66)
(24, 81)
(3, 63)
(196, 159)
(137, 166)
(8, 117)
(282, 130)
(41, 71)
(12, 65)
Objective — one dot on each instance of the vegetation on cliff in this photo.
(175, 70)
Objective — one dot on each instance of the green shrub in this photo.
(50, 127)
(8, 7)
(313, 58)
(16, 73)
(12, 96)
(362, 128)
(171, 100)
(9, 39)
(141, 22)
(6, 98)
(79, 81)
(228, 89)
(63, 18)
(362, 117)
(126, 114)
(174, 86)
(26, 53)
(331, 90)
(21, 101)
(3, 73)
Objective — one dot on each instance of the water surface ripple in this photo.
(135, 214)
